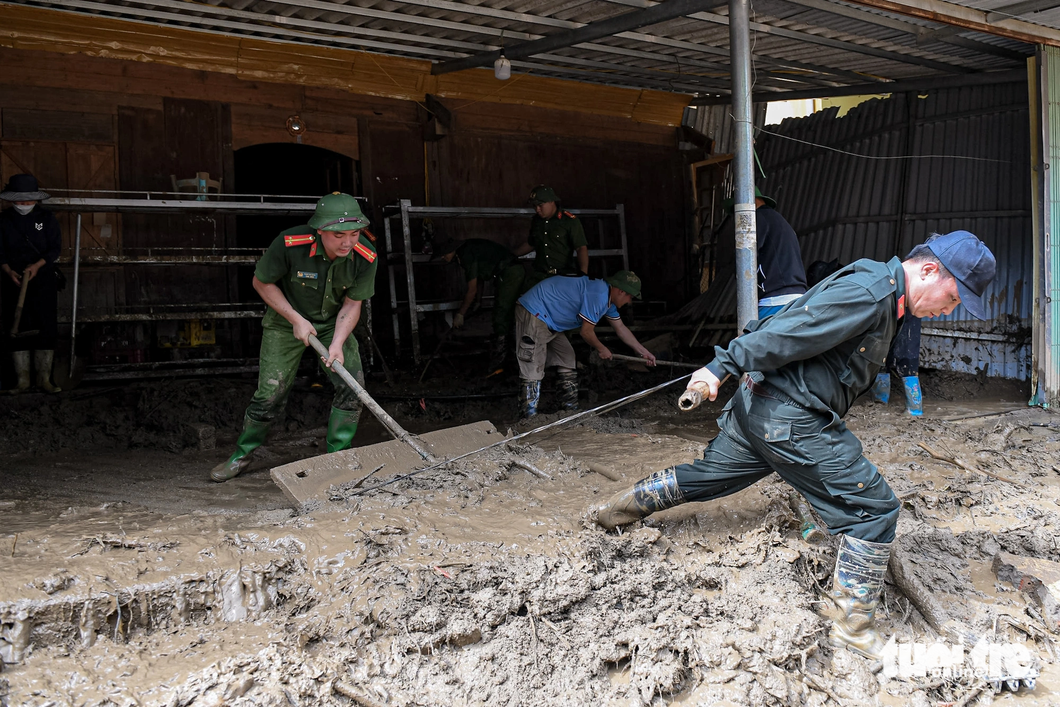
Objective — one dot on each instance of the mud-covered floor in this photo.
(128, 578)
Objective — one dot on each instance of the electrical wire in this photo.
(878, 157)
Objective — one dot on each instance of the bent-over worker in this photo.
(314, 279)
(483, 260)
(561, 304)
(801, 370)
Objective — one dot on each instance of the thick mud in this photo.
(127, 578)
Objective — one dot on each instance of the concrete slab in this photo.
(308, 480)
(1038, 579)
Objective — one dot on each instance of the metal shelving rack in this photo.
(174, 203)
(406, 212)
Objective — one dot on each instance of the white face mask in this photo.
(23, 208)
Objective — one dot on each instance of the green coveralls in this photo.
(315, 287)
(555, 240)
(808, 364)
(483, 260)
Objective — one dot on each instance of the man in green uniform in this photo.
(484, 260)
(802, 369)
(558, 238)
(314, 279)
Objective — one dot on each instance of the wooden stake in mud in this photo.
(958, 463)
(390, 423)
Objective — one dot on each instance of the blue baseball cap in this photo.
(970, 262)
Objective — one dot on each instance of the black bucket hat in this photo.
(23, 187)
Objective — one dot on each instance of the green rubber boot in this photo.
(252, 437)
(342, 426)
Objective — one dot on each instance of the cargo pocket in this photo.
(525, 351)
(779, 444)
(862, 489)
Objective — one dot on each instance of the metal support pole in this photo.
(406, 232)
(620, 209)
(744, 192)
(73, 309)
(393, 287)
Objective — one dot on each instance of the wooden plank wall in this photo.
(83, 122)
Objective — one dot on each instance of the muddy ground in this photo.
(127, 578)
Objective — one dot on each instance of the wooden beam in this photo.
(967, 18)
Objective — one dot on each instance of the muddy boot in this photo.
(568, 390)
(252, 437)
(529, 397)
(497, 354)
(21, 361)
(856, 587)
(881, 389)
(654, 493)
(914, 398)
(342, 426)
(43, 361)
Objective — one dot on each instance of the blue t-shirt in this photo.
(563, 303)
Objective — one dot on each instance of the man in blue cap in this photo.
(801, 371)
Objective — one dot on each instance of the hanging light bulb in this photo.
(502, 68)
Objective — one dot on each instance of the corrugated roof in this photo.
(797, 44)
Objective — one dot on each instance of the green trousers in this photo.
(278, 364)
(509, 286)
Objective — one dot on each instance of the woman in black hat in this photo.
(30, 242)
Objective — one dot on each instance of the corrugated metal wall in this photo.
(881, 179)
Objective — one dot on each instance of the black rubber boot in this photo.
(654, 493)
(529, 397)
(568, 390)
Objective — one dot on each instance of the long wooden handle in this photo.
(21, 301)
(658, 362)
(390, 423)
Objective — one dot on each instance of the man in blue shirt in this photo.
(560, 304)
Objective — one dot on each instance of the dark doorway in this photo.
(284, 169)
(279, 168)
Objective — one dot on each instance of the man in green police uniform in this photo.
(484, 260)
(314, 279)
(802, 369)
(558, 238)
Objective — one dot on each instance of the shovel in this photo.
(307, 481)
(15, 333)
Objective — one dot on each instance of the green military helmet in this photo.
(626, 281)
(542, 195)
(338, 212)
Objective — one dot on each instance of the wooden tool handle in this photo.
(21, 301)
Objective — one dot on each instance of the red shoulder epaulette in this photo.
(371, 236)
(365, 252)
(570, 214)
(298, 239)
